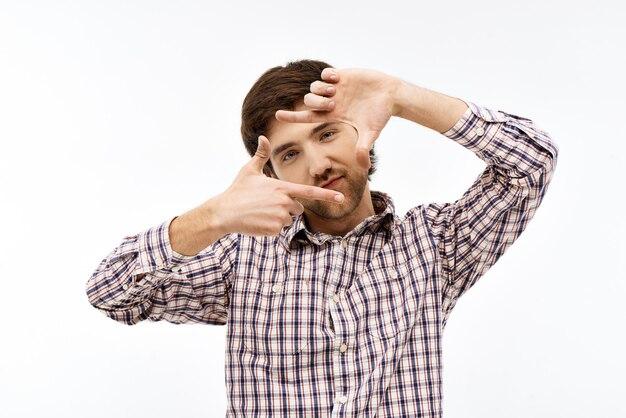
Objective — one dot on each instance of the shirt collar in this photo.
(383, 218)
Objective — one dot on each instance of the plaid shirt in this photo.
(321, 325)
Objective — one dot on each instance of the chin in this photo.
(336, 211)
(353, 189)
(329, 210)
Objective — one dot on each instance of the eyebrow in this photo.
(313, 131)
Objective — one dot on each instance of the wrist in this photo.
(406, 99)
(428, 108)
(196, 229)
(210, 217)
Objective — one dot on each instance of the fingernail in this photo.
(331, 105)
(339, 198)
(333, 76)
(330, 90)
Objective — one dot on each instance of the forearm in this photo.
(426, 107)
(143, 279)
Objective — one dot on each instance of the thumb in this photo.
(363, 147)
(262, 154)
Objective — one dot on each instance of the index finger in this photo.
(300, 116)
(312, 192)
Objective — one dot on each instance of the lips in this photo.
(331, 183)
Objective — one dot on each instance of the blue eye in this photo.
(289, 155)
(324, 136)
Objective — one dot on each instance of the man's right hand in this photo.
(254, 204)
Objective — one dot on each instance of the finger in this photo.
(330, 74)
(302, 116)
(287, 220)
(363, 158)
(296, 208)
(317, 102)
(262, 154)
(363, 147)
(322, 89)
(312, 192)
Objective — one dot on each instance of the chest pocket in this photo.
(280, 318)
(393, 299)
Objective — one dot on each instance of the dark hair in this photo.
(279, 88)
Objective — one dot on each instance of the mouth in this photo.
(332, 183)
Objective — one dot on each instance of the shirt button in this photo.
(343, 348)
(480, 131)
(277, 288)
(336, 297)
(393, 274)
(176, 269)
(125, 286)
(343, 399)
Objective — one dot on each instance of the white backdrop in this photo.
(117, 115)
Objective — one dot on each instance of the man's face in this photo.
(323, 155)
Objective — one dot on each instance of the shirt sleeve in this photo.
(144, 278)
(472, 233)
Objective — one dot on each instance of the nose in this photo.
(319, 164)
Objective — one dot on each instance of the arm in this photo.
(148, 276)
(473, 232)
(367, 99)
(143, 278)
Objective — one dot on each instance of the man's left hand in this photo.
(362, 98)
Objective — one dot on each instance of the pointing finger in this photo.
(302, 116)
(312, 192)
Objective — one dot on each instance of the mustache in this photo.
(323, 179)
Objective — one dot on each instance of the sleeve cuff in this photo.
(156, 253)
(476, 128)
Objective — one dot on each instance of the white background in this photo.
(118, 115)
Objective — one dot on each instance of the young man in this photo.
(334, 304)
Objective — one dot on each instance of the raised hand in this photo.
(254, 204)
(259, 205)
(362, 98)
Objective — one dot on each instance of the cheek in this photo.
(292, 173)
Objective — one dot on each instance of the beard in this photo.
(352, 186)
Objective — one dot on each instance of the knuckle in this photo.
(285, 201)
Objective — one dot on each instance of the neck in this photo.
(341, 226)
